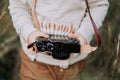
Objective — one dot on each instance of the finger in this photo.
(72, 36)
(86, 49)
(94, 48)
(82, 41)
(78, 37)
(44, 35)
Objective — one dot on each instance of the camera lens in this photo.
(39, 43)
(50, 46)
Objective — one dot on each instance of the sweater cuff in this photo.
(26, 30)
(86, 33)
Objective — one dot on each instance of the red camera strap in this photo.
(97, 34)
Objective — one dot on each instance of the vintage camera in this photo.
(59, 46)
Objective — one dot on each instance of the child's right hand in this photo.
(32, 37)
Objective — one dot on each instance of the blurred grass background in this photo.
(103, 64)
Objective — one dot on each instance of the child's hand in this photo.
(32, 37)
(85, 48)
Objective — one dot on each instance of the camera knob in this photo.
(39, 43)
(50, 46)
(40, 46)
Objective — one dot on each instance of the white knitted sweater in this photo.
(56, 17)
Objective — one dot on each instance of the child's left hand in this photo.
(85, 48)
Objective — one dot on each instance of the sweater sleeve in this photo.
(21, 17)
(98, 9)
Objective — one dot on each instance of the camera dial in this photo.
(39, 43)
(50, 46)
(41, 46)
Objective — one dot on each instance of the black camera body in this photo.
(60, 46)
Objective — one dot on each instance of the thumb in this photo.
(94, 48)
(87, 48)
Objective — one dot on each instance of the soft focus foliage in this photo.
(103, 64)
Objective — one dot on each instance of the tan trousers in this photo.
(33, 70)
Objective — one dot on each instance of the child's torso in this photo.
(59, 14)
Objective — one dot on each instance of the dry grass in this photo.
(104, 64)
